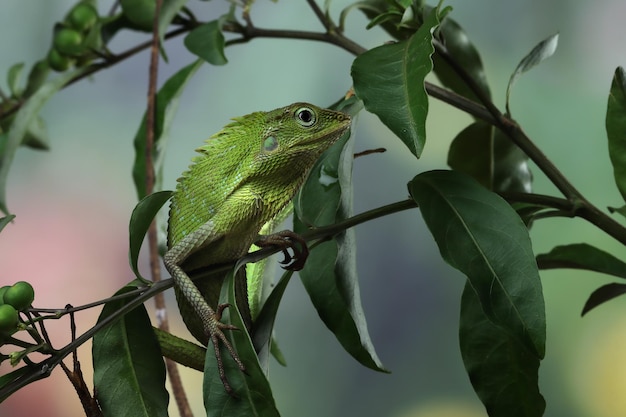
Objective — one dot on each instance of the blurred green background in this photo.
(73, 203)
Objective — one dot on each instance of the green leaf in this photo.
(511, 172)
(252, 390)
(36, 77)
(542, 51)
(167, 101)
(329, 275)
(23, 120)
(129, 372)
(207, 41)
(602, 295)
(169, 10)
(488, 156)
(264, 323)
(6, 220)
(582, 256)
(459, 46)
(390, 81)
(36, 136)
(503, 372)
(140, 220)
(471, 152)
(479, 234)
(616, 129)
(13, 79)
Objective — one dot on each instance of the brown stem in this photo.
(155, 266)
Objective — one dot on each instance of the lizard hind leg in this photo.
(210, 319)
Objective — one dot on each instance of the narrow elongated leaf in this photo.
(616, 129)
(582, 256)
(253, 395)
(167, 103)
(8, 378)
(140, 219)
(503, 372)
(207, 41)
(129, 372)
(542, 51)
(479, 234)
(23, 120)
(329, 275)
(602, 295)
(390, 81)
(264, 324)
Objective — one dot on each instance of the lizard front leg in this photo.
(211, 319)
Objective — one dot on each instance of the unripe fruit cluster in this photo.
(69, 39)
(14, 298)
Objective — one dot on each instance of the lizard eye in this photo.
(270, 144)
(305, 116)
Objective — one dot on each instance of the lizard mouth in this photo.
(336, 133)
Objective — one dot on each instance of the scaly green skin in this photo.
(243, 177)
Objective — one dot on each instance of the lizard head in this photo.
(295, 136)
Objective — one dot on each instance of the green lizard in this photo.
(244, 176)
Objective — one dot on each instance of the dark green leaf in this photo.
(329, 275)
(13, 79)
(542, 51)
(460, 48)
(167, 104)
(140, 220)
(264, 323)
(36, 77)
(129, 372)
(582, 256)
(479, 234)
(169, 10)
(511, 172)
(471, 152)
(390, 81)
(616, 128)
(23, 120)
(602, 295)
(503, 372)
(252, 390)
(6, 379)
(6, 220)
(207, 41)
(36, 136)
(487, 155)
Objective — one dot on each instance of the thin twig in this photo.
(178, 390)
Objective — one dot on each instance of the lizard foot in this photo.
(215, 329)
(287, 239)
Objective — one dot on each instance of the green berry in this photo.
(68, 42)
(20, 295)
(57, 61)
(83, 16)
(8, 318)
(140, 13)
(2, 291)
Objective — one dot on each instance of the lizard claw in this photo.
(284, 240)
(215, 329)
